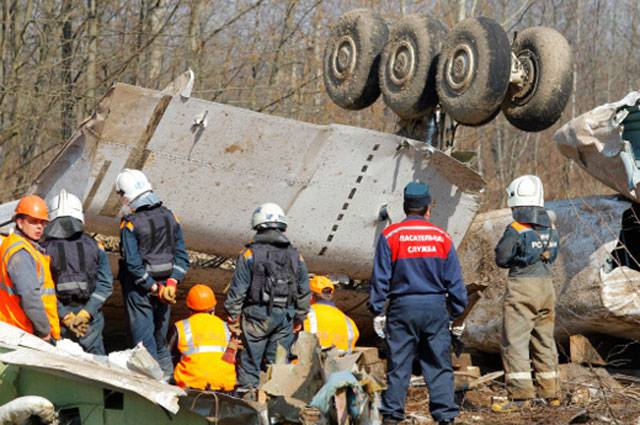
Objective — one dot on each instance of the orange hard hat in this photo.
(201, 298)
(33, 206)
(319, 283)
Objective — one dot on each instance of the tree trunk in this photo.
(65, 68)
(92, 54)
(155, 16)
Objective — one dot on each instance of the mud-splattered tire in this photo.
(547, 60)
(474, 70)
(352, 57)
(409, 64)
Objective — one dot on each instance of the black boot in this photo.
(448, 422)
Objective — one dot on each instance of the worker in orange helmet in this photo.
(27, 291)
(197, 345)
(324, 319)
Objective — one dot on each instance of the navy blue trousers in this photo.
(262, 334)
(149, 323)
(419, 325)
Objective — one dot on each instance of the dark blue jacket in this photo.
(521, 247)
(133, 263)
(415, 257)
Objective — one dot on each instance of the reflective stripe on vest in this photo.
(331, 334)
(350, 333)
(313, 321)
(70, 286)
(188, 336)
(10, 307)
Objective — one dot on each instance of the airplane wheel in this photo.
(409, 64)
(548, 65)
(352, 57)
(474, 70)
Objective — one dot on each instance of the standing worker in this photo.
(154, 260)
(268, 299)
(528, 248)
(331, 325)
(27, 292)
(81, 272)
(416, 271)
(198, 343)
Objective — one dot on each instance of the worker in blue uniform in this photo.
(416, 278)
(154, 260)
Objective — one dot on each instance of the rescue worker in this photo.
(268, 298)
(416, 271)
(81, 273)
(197, 345)
(154, 260)
(528, 248)
(27, 291)
(332, 326)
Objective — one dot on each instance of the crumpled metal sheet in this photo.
(331, 180)
(30, 351)
(223, 409)
(594, 141)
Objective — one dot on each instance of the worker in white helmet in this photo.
(528, 248)
(81, 273)
(269, 295)
(154, 260)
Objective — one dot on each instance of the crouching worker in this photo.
(324, 319)
(81, 272)
(528, 248)
(27, 291)
(197, 345)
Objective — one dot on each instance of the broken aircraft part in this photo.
(331, 180)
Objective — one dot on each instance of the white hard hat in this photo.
(525, 191)
(65, 204)
(132, 183)
(268, 215)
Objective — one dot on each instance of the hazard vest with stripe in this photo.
(331, 326)
(202, 339)
(10, 310)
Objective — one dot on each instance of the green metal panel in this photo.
(69, 392)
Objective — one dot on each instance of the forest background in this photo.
(60, 56)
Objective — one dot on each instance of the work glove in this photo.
(68, 319)
(379, 323)
(234, 326)
(167, 293)
(80, 324)
(456, 338)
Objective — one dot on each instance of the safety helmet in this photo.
(268, 216)
(318, 283)
(66, 204)
(201, 298)
(132, 183)
(525, 191)
(33, 206)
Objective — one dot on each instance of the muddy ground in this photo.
(581, 404)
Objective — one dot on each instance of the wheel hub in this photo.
(344, 58)
(525, 88)
(461, 68)
(402, 63)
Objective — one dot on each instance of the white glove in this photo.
(457, 330)
(379, 323)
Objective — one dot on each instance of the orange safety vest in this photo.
(332, 327)
(202, 339)
(10, 310)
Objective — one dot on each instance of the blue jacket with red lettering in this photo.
(415, 257)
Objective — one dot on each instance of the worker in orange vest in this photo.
(324, 319)
(198, 343)
(27, 291)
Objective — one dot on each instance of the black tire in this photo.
(409, 64)
(352, 57)
(547, 60)
(474, 70)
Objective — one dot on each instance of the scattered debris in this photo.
(582, 352)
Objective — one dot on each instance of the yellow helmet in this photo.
(319, 283)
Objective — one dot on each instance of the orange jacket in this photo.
(202, 339)
(332, 326)
(10, 310)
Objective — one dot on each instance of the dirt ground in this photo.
(619, 406)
